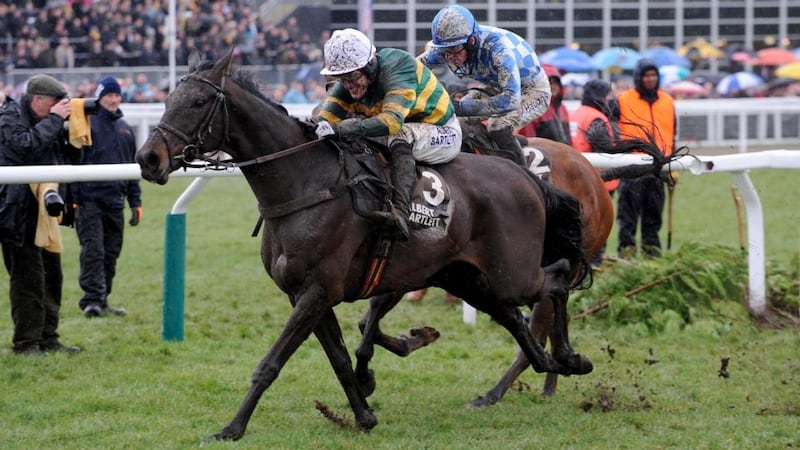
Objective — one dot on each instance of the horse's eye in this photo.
(200, 102)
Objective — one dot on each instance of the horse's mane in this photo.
(247, 80)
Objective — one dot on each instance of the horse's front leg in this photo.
(329, 334)
(372, 334)
(308, 312)
(542, 328)
(557, 279)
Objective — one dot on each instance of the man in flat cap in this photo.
(32, 133)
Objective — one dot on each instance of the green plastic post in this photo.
(174, 277)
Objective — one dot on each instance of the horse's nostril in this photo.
(147, 159)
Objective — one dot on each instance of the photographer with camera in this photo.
(32, 133)
(100, 205)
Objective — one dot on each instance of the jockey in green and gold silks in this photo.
(388, 93)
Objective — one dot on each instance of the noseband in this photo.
(192, 150)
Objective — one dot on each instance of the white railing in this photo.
(736, 164)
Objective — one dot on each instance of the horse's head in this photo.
(195, 120)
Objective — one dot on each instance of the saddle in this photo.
(366, 176)
(366, 168)
(476, 140)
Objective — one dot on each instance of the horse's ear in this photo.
(195, 60)
(226, 63)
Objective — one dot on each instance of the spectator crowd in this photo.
(66, 34)
(39, 34)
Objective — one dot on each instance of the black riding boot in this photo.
(509, 145)
(404, 175)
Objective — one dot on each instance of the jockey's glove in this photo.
(325, 128)
(136, 216)
(467, 107)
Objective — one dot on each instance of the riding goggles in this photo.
(351, 76)
(449, 51)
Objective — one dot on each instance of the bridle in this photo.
(192, 150)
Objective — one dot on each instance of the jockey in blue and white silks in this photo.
(500, 59)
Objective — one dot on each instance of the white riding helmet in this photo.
(347, 50)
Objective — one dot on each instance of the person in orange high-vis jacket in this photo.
(645, 112)
(589, 127)
(591, 119)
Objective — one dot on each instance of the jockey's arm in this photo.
(506, 82)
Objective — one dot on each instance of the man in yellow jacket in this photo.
(645, 112)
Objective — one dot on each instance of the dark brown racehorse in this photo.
(568, 170)
(318, 250)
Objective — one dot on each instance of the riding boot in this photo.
(404, 176)
(509, 145)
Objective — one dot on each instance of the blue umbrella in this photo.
(738, 81)
(622, 57)
(568, 59)
(665, 56)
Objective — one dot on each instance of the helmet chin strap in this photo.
(371, 69)
(464, 70)
(468, 68)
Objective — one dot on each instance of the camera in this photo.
(90, 106)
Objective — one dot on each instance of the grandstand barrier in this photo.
(175, 234)
(736, 123)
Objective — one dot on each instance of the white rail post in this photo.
(757, 299)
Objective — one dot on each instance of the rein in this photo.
(280, 154)
(209, 163)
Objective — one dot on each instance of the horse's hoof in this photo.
(574, 364)
(581, 365)
(227, 434)
(483, 401)
(367, 383)
(367, 421)
(425, 334)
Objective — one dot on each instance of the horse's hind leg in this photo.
(557, 279)
(372, 334)
(541, 325)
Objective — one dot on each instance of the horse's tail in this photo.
(564, 232)
(648, 147)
